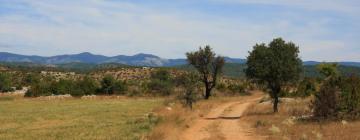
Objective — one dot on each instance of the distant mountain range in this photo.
(86, 57)
(135, 60)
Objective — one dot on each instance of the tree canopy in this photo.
(208, 65)
(276, 65)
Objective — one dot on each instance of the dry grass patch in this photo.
(287, 124)
(78, 119)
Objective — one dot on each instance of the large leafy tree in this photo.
(208, 65)
(276, 65)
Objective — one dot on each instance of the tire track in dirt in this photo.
(223, 123)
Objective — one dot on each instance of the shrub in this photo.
(163, 87)
(192, 88)
(161, 82)
(5, 82)
(161, 74)
(306, 88)
(39, 89)
(87, 86)
(326, 103)
(350, 97)
(221, 87)
(120, 87)
(107, 85)
(237, 88)
(30, 79)
(111, 86)
(63, 87)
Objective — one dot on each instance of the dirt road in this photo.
(223, 123)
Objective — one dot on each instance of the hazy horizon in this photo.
(324, 30)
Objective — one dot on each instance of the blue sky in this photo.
(325, 30)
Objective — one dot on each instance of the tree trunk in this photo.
(276, 102)
(275, 90)
(207, 93)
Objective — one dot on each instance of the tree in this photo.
(275, 65)
(208, 65)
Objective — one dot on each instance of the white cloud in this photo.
(113, 28)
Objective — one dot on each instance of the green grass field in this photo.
(122, 119)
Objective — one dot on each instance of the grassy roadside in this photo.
(76, 118)
(286, 124)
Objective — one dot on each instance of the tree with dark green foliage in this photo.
(208, 65)
(276, 65)
(5, 82)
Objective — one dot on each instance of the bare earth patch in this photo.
(223, 122)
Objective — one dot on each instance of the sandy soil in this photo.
(224, 122)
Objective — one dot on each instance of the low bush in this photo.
(237, 88)
(191, 90)
(339, 97)
(111, 86)
(326, 102)
(306, 88)
(350, 97)
(221, 87)
(87, 86)
(5, 82)
(48, 87)
(161, 83)
(41, 88)
(163, 88)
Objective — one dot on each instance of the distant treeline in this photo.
(237, 70)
